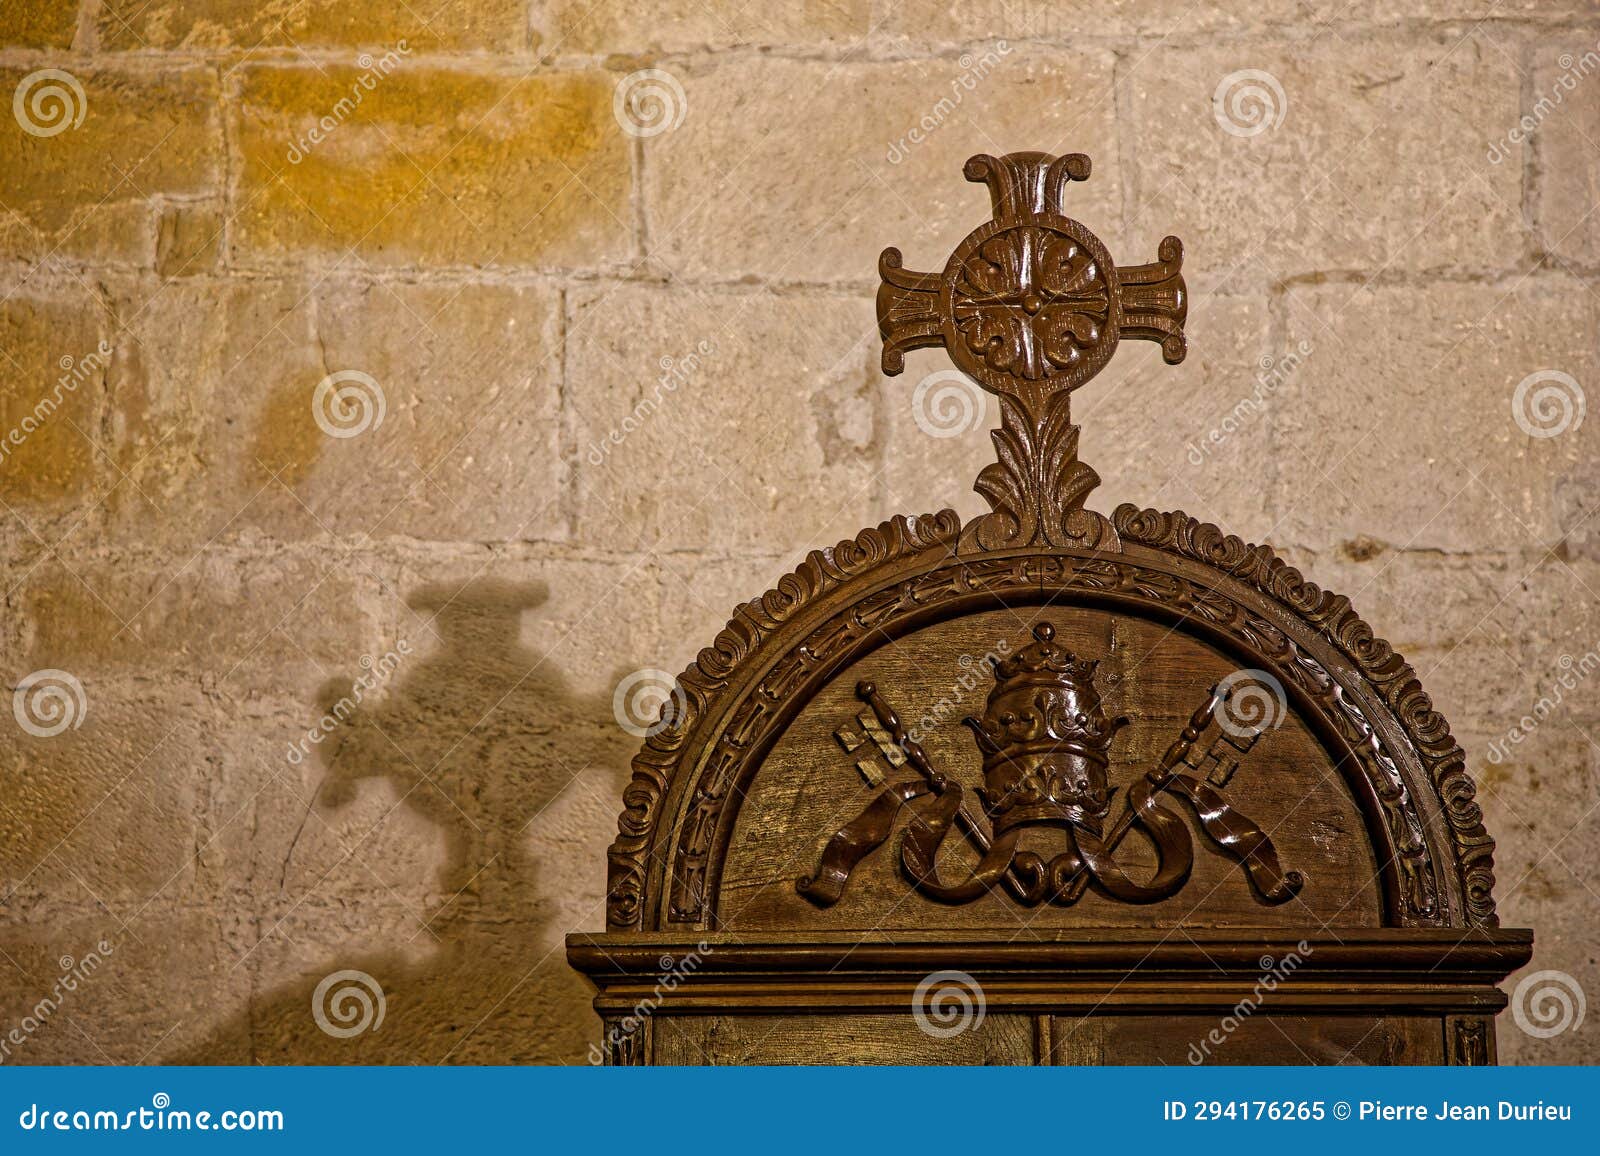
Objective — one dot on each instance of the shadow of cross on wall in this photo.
(478, 734)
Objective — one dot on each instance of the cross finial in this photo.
(1031, 306)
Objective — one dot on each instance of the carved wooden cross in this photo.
(1031, 306)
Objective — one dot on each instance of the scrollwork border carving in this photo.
(1384, 669)
(707, 679)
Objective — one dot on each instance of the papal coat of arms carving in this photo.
(1045, 739)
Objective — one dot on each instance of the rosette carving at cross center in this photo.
(1029, 301)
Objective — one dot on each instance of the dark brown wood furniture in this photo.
(1051, 786)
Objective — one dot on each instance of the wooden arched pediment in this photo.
(1390, 749)
(1049, 740)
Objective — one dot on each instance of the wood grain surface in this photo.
(808, 785)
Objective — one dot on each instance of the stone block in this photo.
(804, 170)
(678, 448)
(520, 170)
(1406, 424)
(95, 147)
(1342, 154)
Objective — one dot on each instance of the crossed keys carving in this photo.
(1045, 738)
(1031, 306)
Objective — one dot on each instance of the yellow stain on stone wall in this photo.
(86, 190)
(42, 804)
(264, 24)
(287, 439)
(251, 625)
(38, 23)
(45, 401)
(54, 462)
(431, 167)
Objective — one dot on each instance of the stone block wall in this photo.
(438, 364)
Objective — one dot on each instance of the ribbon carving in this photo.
(1045, 739)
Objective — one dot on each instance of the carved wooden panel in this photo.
(1108, 764)
(1470, 1040)
(809, 784)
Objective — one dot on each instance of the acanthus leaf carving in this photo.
(1038, 486)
